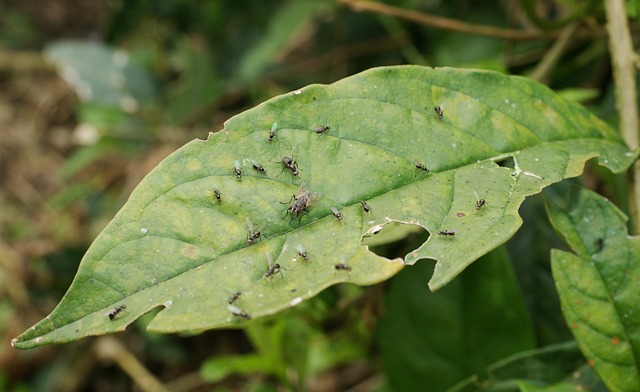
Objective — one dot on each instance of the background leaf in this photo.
(447, 336)
(548, 368)
(173, 245)
(99, 73)
(598, 286)
(289, 26)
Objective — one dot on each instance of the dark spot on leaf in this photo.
(460, 214)
(600, 244)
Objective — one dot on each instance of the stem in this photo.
(108, 348)
(447, 23)
(551, 58)
(624, 75)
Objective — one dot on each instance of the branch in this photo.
(110, 349)
(551, 58)
(624, 75)
(446, 23)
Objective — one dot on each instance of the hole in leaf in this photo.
(395, 239)
(506, 162)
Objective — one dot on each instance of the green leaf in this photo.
(174, 246)
(217, 369)
(99, 73)
(288, 25)
(447, 336)
(598, 286)
(556, 366)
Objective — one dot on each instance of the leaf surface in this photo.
(598, 286)
(173, 245)
(445, 337)
(551, 368)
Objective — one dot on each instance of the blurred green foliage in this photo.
(206, 61)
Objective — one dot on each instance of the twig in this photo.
(111, 349)
(624, 76)
(446, 23)
(551, 58)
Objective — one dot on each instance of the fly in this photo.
(289, 163)
(336, 213)
(236, 311)
(322, 129)
(238, 169)
(479, 202)
(272, 269)
(253, 234)
(272, 132)
(448, 232)
(600, 244)
(439, 111)
(216, 193)
(422, 167)
(342, 267)
(258, 167)
(300, 201)
(366, 207)
(117, 310)
(234, 297)
(303, 253)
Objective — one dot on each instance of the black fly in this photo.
(272, 269)
(258, 167)
(236, 311)
(253, 234)
(238, 169)
(448, 232)
(272, 132)
(422, 167)
(289, 163)
(600, 244)
(234, 297)
(300, 201)
(303, 253)
(366, 207)
(336, 213)
(479, 202)
(342, 267)
(322, 129)
(117, 310)
(439, 111)
(216, 193)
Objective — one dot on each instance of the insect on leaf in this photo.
(173, 246)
